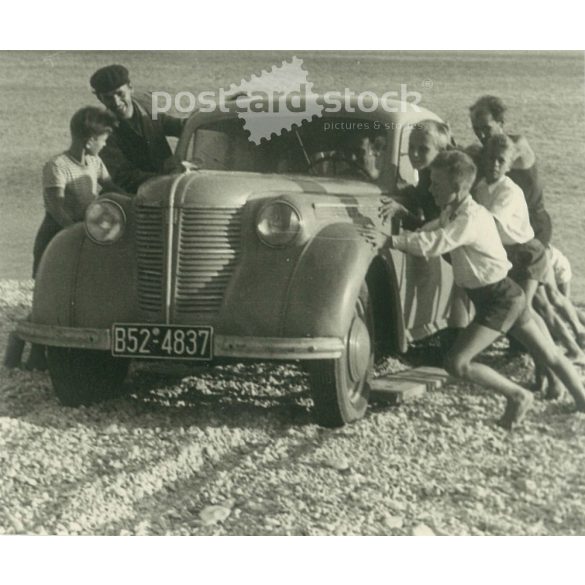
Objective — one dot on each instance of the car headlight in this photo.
(105, 221)
(278, 223)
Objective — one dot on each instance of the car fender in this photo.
(254, 298)
(323, 290)
(83, 284)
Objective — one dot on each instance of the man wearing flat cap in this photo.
(137, 149)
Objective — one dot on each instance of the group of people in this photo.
(484, 207)
(115, 149)
(112, 150)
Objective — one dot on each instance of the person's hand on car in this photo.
(376, 238)
(391, 208)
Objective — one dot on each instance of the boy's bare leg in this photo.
(554, 387)
(543, 350)
(542, 377)
(581, 315)
(565, 290)
(471, 342)
(564, 306)
(556, 326)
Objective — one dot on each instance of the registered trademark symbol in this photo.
(427, 83)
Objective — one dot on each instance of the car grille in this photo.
(208, 249)
(150, 259)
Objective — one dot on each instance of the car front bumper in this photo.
(284, 348)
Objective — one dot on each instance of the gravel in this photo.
(234, 450)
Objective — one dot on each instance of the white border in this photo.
(264, 24)
(283, 561)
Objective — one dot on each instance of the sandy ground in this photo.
(234, 450)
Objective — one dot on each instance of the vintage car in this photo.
(257, 252)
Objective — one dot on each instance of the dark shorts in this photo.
(47, 231)
(499, 306)
(529, 261)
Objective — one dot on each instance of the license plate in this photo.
(162, 341)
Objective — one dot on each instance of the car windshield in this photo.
(343, 147)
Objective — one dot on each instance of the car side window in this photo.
(407, 175)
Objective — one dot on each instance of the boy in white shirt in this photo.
(530, 266)
(500, 195)
(74, 178)
(468, 232)
(71, 181)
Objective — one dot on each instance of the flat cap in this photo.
(109, 78)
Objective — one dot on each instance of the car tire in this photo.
(340, 387)
(82, 377)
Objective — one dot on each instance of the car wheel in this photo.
(340, 387)
(83, 376)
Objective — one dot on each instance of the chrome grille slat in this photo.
(150, 258)
(208, 248)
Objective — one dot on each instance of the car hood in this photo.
(234, 189)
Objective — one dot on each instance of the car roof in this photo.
(366, 106)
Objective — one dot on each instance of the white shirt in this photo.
(470, 234)
(81, 183)
(507, 203)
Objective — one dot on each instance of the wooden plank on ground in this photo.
(435, 378)
(407, 385)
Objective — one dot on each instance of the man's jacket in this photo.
(137, 151)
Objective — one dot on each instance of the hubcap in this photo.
(358, 349)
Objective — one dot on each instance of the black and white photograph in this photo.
(292, 293)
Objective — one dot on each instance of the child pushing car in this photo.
(505, 199)
(414, 205)
(487, 116)
(468, 231)
(426, 140)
